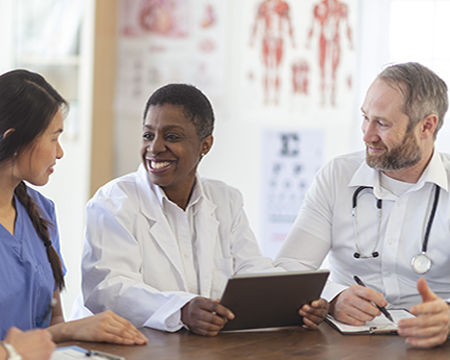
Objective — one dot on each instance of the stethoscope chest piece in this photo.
(421, 263)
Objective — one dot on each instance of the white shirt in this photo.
(182, 225)
(324, 225)
(133, 261)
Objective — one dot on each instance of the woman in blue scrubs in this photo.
(31, 270)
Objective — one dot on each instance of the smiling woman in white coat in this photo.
(161, 242)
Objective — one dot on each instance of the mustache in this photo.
(376, 145)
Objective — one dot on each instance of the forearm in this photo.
(3, 353)
(60, 332)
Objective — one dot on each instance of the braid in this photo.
(41, 226)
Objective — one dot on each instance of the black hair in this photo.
(195, 104)
(28, 103)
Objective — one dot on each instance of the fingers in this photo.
(130, 329)
(204, 316)
(424, 291)
(309, 324)
(355, 305)
(314, 313)
(206, 328)
(369, 295)
(120, 330)
(425, 336)
(222, 311)
(107, 327)
(32, 344)
(430, 327)
(12, 332)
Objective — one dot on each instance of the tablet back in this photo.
(271, 299)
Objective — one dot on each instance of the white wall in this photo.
(69, 184)
(236, 154)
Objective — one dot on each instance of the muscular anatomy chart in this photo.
(328, 18)
(272, 25)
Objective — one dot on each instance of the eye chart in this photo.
(290, 158)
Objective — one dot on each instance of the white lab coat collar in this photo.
(206, 228)
(434, 173)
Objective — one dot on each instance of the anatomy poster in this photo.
(298, 52)
(162, 41)
(291, 159)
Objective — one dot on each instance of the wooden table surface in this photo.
(289, 343)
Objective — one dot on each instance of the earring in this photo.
(202, 154)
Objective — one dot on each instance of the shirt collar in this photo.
(434, 173)
(196, 196)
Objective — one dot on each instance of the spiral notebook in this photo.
(379, 325)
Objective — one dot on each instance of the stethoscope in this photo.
(420, 262)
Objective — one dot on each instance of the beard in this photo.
(400, 157)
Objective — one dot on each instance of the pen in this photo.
(47, 313)
(381, 308)
(104, 355)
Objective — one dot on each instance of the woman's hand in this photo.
(314, 313)
(33, 344)
(103, 327)
(204, 316)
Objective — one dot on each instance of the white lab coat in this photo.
(131, 261)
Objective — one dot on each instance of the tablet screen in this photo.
(270, 299)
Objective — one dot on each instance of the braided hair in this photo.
(28, 103)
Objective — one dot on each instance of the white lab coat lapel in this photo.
(158, 226)
(207, 236)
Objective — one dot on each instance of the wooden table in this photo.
(289, 343)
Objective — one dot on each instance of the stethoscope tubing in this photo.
(380, 205)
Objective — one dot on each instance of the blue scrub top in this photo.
(26, 277)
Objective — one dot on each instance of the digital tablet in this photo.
(270, 299)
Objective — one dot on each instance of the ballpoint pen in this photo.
(101, 354)
(381, 308)
(47, 313)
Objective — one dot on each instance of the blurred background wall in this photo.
(286, 79)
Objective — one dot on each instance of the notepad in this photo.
(379, 325)
(76, 352)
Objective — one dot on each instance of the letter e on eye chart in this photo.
(290, 159)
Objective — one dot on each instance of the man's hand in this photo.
(356, 305)
(314, 313)
(431, 326)
(204, 316)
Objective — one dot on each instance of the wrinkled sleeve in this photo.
(309, 239)
(112, 270)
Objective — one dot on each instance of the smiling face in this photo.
(171, 150)
(389, 146)
(35, 163)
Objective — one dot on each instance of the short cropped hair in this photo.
(195, 104)
(424, 92)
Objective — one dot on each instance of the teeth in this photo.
(159, 164)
